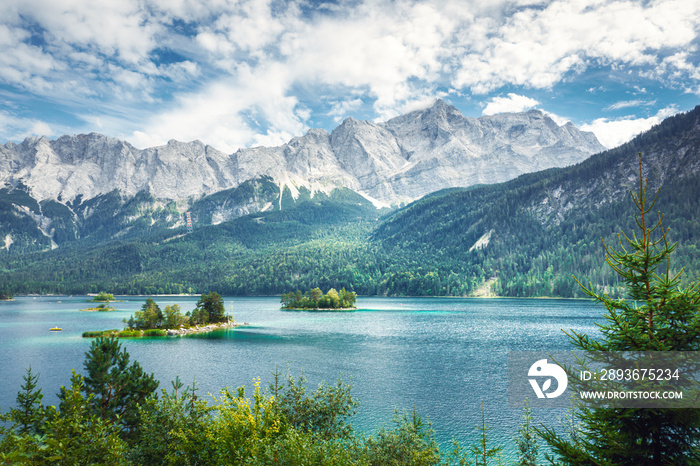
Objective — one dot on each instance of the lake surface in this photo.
(443, 356)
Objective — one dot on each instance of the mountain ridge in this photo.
(374, 158)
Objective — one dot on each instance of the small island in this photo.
(315, 300)
(99, 308)
(5, 295)
(151, 321)
(103, 297)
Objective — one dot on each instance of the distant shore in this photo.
(33, 295)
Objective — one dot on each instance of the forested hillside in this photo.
(525, 237)
(546, 226)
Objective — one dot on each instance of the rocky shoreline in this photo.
(203, 328)
(163, 332)
(98, 309)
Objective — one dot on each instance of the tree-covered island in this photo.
(209, 314)
(316, 300)
(103, 297)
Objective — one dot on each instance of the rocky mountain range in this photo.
(401, 159)
(68, 183)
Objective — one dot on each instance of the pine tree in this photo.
(659, 316)
(526, 441)
(117, 386)
(210, 309)
(30, 413)
(482, 454)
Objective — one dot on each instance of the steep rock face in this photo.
(252, 196)
(179, 170)
(369, 153)
(447, 149)
(90, 165)
(559, 216)
(670, 154)
(311, 157)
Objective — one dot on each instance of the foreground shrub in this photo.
(112, 417)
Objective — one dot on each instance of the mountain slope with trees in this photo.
(544, 227)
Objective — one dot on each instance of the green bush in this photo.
(129, 333)
(154, 332)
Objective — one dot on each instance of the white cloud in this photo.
(420, 102)
(380, 48)
(248, 27)
(512, 103)
(340, 109)
(539, 47)
(24, 65)
(124, 29)
(231, 114)
(242, 67)
(630, 103)
(679, 70)
(21, 128)
(612, 133)
(376, 50)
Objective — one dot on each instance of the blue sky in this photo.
(252, 72)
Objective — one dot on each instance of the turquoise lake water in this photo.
(443, 356)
